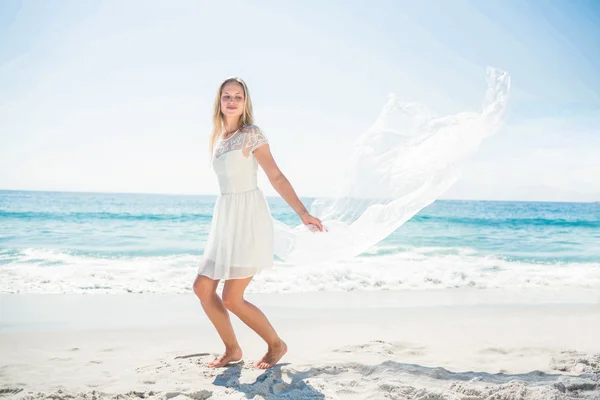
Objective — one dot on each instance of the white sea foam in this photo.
(53, 271)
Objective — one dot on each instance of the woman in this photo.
(240, 242)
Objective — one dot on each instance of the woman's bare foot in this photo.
(273, 356)
(231, 355)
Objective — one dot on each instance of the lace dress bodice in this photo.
(234, 162)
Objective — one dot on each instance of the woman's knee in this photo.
(233, 293)
(205, 288)
(232, 301)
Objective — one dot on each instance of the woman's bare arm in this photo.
(283, 186)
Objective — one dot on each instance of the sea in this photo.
(66, 242)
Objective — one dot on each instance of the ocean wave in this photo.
(55, 271)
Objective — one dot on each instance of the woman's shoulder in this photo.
(253, 132)
(254, 137)
(251, 129)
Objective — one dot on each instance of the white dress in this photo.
(240, 241)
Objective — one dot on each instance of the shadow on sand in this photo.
(269, 384)
(396, 378)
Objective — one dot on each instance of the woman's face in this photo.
(232, 100)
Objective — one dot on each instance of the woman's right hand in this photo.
(308, 219)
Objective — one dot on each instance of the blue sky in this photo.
(116, 96)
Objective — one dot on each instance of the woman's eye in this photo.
(227, 98)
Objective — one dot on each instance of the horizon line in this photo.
(277, 196)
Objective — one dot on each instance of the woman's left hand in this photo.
(310, 220)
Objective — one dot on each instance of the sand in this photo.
(447, 344)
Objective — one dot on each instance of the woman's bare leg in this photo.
(206, 290)
(233, 300)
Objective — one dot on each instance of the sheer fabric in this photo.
(403, 163)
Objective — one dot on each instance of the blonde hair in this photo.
(247, 117)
